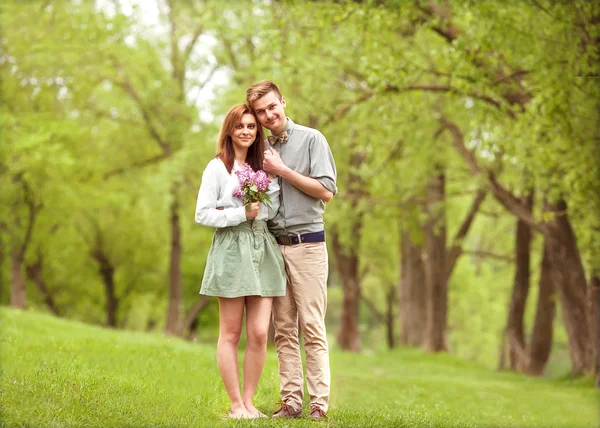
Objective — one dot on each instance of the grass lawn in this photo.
(57, 373)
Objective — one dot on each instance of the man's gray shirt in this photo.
(307, 153)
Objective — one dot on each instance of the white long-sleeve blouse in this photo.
(216, 190)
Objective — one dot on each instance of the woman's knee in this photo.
(230, 336)
(258, 337)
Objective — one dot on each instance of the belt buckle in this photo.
(299, 236)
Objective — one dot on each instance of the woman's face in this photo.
(244, 133)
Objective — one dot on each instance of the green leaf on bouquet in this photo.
(254, 188)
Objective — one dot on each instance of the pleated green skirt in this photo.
(244, 260)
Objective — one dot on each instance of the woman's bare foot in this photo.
(254, 411)
(240, 413)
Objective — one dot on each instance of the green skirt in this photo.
(244, 260)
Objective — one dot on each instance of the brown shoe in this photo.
(286, 411)
(317, 413)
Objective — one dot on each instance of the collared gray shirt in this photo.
(307, 153)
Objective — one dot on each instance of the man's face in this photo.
(271, 113)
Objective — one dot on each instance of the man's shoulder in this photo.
(306, 132)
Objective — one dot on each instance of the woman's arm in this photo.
(207, 213)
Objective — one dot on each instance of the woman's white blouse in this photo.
(217, 189)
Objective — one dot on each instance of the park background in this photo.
(465, 234)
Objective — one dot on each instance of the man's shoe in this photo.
(286, 411)
(317, 413)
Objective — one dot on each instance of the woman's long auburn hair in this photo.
(225, 150)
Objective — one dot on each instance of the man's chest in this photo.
(296, 156)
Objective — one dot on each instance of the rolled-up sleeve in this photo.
(322, 164)
(207, 213)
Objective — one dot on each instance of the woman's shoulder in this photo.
(215, 165)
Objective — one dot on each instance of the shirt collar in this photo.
(289, 127)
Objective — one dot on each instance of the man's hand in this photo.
(252, 210)
(273, 165)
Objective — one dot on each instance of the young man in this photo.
(302, 159)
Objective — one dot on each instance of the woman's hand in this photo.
(252, 210)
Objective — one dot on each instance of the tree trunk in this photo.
(34, 273)
(18, 291)
(413, 290)
(541, 336)
(594, 291)
(107, 272)
(347, 263)
(435, 266)
(569, 279)
(389, 318)
(174, 306)
(2, 261)
(502, 352)
(348, 258)
(518, 357)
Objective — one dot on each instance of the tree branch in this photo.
(128, 87)
(587, 38)
(229, 50)
(433, 87)
(445, 28)
(504, 196)
(190, 47)
(34, 273)
(393, 153)
(456, 248)
(489, 254)
(459, 144)
(205, 82)
(435, 12)
(140, 164)
(193, 312)
(345, 109)
(371, 306)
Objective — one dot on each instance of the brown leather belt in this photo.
(301, 239)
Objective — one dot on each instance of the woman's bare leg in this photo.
(231, 312)
(258, 314)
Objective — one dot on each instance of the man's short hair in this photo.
(260, 89)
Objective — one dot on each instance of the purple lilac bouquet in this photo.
(253, 185)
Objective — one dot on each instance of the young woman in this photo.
(245, 266)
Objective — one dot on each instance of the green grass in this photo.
(57, 373)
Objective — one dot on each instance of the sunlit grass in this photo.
(61, 373)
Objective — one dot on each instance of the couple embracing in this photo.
(269, 259)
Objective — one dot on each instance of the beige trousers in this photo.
(305, 302)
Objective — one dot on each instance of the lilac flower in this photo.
(244, 174)
(253, 185)
(261, 180)
(237, 193)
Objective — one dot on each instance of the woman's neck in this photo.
(240, 154)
